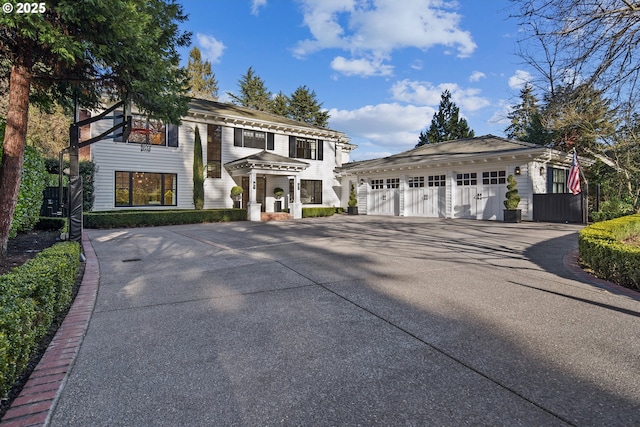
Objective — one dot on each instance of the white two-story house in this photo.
(243, 147)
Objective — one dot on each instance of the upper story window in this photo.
(150, 131)
(377, 184)
(305, 148)
(214, 149)
(251, 138)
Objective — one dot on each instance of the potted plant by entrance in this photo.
(236, 195)
(352, 208)
(511, 211)
(277, 193)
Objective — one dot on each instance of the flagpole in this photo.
(585, 198)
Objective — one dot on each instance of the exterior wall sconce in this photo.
(361, 181)
(254, 185)
(541, 170)
(517, 170)
(298, 186)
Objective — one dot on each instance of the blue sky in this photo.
(378, 66)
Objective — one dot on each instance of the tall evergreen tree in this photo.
(90, 49)
(198, 173)
(253, 92)
(304, 106)
(446, 124)
(202, 81)
(280, 105)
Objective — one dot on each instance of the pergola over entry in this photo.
(265, 163)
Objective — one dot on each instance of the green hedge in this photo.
(124, 219)
(50, 223)
(602, 250)
(313, 212)
(31, 296)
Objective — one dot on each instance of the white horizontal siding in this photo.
(110, 156)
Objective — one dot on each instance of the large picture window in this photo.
(214, 148)
(145, 189)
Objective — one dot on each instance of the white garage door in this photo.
(426, 199)
(384, 197)
(479, 195)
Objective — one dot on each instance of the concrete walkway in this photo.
(351, 321)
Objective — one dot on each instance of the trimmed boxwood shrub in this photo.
(314, 212)
(31, 296)
(602, 250)
(146, 218)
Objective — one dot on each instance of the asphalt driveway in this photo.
(351, 321)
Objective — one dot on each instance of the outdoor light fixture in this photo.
(517, 170)
(361, 181)
(541, 170)
(254, 185)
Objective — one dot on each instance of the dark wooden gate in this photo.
(558, 207)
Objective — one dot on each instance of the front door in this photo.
(261, 191)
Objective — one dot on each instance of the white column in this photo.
(296, 206)
(253, 207)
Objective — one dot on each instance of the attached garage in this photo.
(465, 178)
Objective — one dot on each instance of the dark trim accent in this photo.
(270, 141)
(292, 147)
(237, 137)
(319, 154)
(172, 135)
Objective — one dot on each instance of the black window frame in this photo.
(214, 151)
(242, 138)
(129, 179)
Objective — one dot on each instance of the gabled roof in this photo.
(242, 116)
(265, 160)
(459, 151)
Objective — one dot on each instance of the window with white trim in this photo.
(377, 184)
(437, 180)
(393, 182)
(467, 178)
(494, 177)
(416, 181)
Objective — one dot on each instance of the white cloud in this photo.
(425, 93)
(519, 79)
(361, 67)
(476, 76)
(385, 127)
(211, 48)
(376, 28)
(256, 5)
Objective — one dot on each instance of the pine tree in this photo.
(198, 173)
(523, 115)
(304, 106)
(253, 92)
(202, 81)
(280, 105)
(446, 124)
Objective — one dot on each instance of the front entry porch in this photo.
(259, 174)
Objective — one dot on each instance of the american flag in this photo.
(573, 182)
